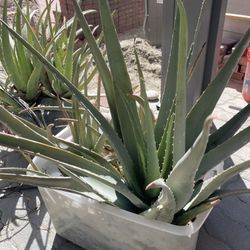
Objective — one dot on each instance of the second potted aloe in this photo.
(148, 190)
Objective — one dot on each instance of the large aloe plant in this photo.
(162, 163)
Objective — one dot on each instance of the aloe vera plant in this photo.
(27, 77)
(162, 163)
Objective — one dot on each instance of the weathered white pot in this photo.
(97, 226)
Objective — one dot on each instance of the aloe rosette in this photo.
(162, 163)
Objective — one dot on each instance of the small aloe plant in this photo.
(162, 163)
(27, 77)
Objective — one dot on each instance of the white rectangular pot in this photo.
(98, 226)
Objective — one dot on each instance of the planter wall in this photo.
(94, 226)
(129, 14)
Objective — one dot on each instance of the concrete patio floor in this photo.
(26, 225)
(228, 226)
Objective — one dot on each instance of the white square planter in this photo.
(98, 226)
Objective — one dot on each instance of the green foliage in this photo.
(27, 78)
(161, 164)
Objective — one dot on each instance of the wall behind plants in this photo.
(235, 27)
(129, 14)
(241, 7)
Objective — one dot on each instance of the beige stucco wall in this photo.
(241, 7)
(234, 28)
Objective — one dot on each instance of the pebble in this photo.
(152, 95)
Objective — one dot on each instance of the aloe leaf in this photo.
(42, 181)
(187, 167)
(31, 35)
(164, 208)
(8, 54)
(210, 185)
(229, 128)
(101, 65)
(223, 151)
(195, 63)
(50, 29)
(165, 151)
(180, 100)
(116, 183)
(43, 16)
(196, 32)
(22, 170)
(167, 139)
(19, 127)
(212, 201)
(7, 99)
(152, 166)
(224, 193)
(68, 63)
(23, 60)
(86, 82)
(206, 103)
(169, 91)
(123, 85)
(69, 23)
(73, 147)
(191, 214)
(134, 147)
(72, 184)
(34, 81)
(55, 153)
(115, 56)
(82, 182)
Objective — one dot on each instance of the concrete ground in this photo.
(228, 226)
(26, 225)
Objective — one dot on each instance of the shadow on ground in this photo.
(228, 225)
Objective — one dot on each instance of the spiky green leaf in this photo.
(186, 168)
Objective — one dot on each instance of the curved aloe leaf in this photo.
(91, 155)
(186, 168)
(101, 65)
(164, 207)
(179, 147)
(152, 166)
(131, 131)
(22, 59)
(169, 91)
(68, 70)
(191, 214)
(73, 162)
(31, 35)
(221, 152)
(165, 151)
(116, 184)
(50, 151)
(229, 129)
(42, 181)
(9, 55)
(34, 81)
(210, 185)
(223, 193)
(196, 32)
(206, 103)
